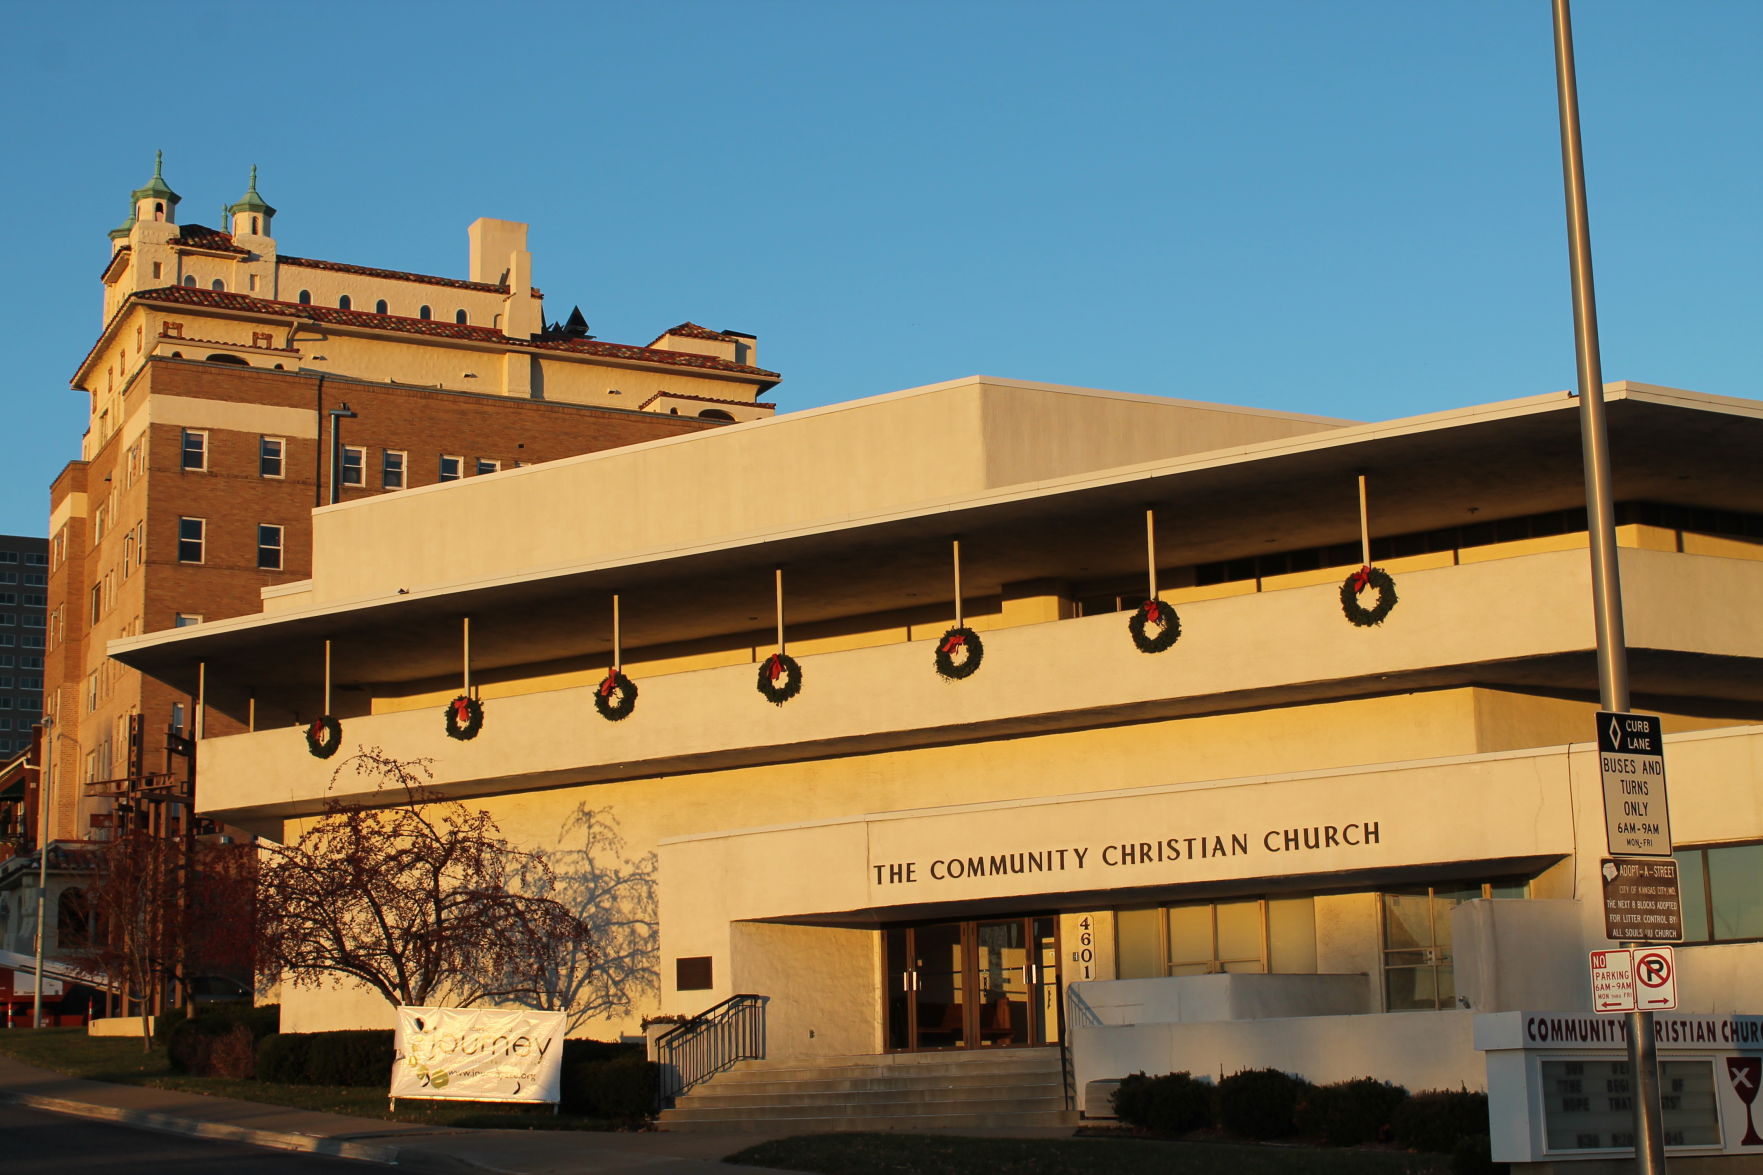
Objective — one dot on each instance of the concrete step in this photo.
(986, 1096)
(914, 1122)
(786, 1093)
(854, 1068)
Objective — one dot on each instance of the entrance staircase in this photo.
(980, 1089)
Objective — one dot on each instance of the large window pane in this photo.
(1692, 895)
(1407, 920)
(1735, 888)
(1291, 935)
(1138, 936)
(1190, 940)
(1239, 935)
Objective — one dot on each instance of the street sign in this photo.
(1613, 980)
(1641, 902)
(1655, 979)
(1631, 760)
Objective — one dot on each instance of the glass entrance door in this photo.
(992, 983)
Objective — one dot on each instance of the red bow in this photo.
(610, 684)
(776, 665)
(1360, 579)
(462, 710)
(317, 731)
(1152, 612)
(955, 641)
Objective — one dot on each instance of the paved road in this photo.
(33, 1142)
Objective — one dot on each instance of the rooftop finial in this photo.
(158, 164)
(253, 186)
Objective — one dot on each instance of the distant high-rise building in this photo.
(24, 575)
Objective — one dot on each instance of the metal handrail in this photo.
(708, 1043)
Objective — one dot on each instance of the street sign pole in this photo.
(1643, 1063)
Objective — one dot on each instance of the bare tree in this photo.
(419, 898)
(132, 936)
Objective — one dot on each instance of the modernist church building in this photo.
(990, 799)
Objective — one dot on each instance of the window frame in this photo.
(401, 468)
(458, 467)
(359, 480)
(483, 465)
(198, 543)
(1705, 881)
(280, 458)
(200, 449)
(275, 549)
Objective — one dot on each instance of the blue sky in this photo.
(1347, 207)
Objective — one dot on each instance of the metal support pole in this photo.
(955, 545)
(465, 651)
(43, 777)
(617, 638)
(780, 609)
(336, 415)
(201, 723)
(1364, 525)
(1151, 551)
(327, 675)
(1643, 1061)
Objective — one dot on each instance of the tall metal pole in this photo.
(337, 451)
(43, 777)
(1643, 1063)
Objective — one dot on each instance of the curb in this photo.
(407, 1158)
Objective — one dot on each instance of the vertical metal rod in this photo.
(44, 774)
(1151, 551)
(956, 544)
(251, 713)
(617, 638)
(201, 723)
(465, 651)
(1601, 530)
(780, 609)
(1364, 525)
(327, 675)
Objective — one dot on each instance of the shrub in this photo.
(1174, 1103)
(1347, 1113)
(219, 1041)
(1438, 1119)
(356, 1057)
(578, 1051)
(1260, 1103)
(622, 1089)
(1474, 1156)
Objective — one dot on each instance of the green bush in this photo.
(1437, 1120)
(622, 1089)
(1474, 1155)
(1347, 1113)
(577, 1051)
(1260, 1103)
(1173, 1103)
(353, 1057)
(219, 1041)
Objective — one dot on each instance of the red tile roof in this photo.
(226, 300)
(211, 240)
(394, 274)
(691, 330)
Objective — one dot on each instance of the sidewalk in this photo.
(409, 1146)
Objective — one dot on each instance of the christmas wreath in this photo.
(1163, 616)
(1357, 582)
(965, 641)
(465, 717)
(616, 697)
(324, 736)
(780, 678)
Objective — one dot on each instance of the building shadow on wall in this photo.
(617, 970)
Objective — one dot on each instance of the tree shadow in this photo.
(616, 970)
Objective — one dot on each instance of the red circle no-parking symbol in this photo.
(1652, 969)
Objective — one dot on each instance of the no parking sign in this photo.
(1655, 979)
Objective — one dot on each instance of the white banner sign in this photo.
(478, 1054)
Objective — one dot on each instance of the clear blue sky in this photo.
(1351, 208)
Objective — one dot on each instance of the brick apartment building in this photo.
(222, 370)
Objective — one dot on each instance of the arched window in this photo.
(422, 312)
(343, 303)
(223, 357)
(305, 297)
(73, 919)
(714, 414)
(217, 284)
(459, 316)
(254, 229)
(380, 307)
(158, 210)
(189, 279)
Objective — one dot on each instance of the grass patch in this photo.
(913, 1154)
(120, 1059)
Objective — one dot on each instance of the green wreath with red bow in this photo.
(964, 643)
(780, 678)
(324, 736)
(1355, 584)
(1168, 624)
(465, 717)
(616, 697)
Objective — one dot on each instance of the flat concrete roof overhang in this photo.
(1475, 464)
